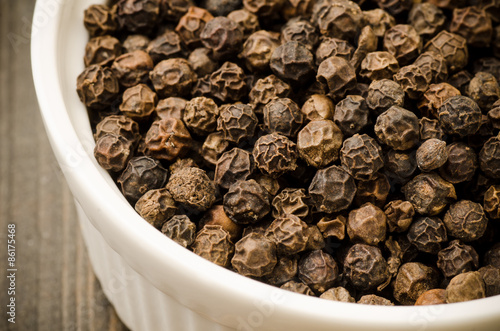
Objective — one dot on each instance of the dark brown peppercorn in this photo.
(434, 97)
(192, 24)
(332, 227)
(367, 225)
(379, 20)
(299, 29)
(491, 202)
(367, 43)
(167, 139)
(492, 256)
(433, 66)
(399, 215)
(100, 20)
(248, 22)
(374, 190)
(460, 81)
(429, 193)
(452, 47)
(217, 216)
(214, 145)
(465, 287)
(489, 158)
(337, 294)
(119, 125)
(138, 15)
(337, 74)
(484, 89)
(361, 156)
(292, 62)
(289, 233)
(404, 42)
(156, 207)
(374, 300)
(263, 8)
(413, 80)
(461, 164)
(318, 107)
(236, 164)
(494, 115)
(246, 202)
(228, 83)
(170, 107)
(254, 256)
(333, 47)
(426, 18)
(97, 87)
(340, 19)
(473, 24)
(465, 220)
(291, 201)
(213, 244)
(399, 166)
(430, 129)
(398, 128)
(427, 234)
(165, 46)
(266, 89)
(102, 50)
(201, 115)
(135, 42)
(112, 151)
(460, 115)
(258, 49)
(238, 122)
(142, 174)
(275, 154)
(139, 102)
(223, 36)
(395, 7)
(285, 270)
(319, 142)
(365, 267)
(435, 296)
(431, 155)
(192, 187)
(383, 94)
(379, 65)
(297, 287)
(173, 78)
(173, 10)
(294, 8)
(351, 114)
(318, 270)
(332, 189)
(180, 229)
(283, 116)
(491, 278)
(413, 279)
(201, 62)
(132, 68)
(456, 259)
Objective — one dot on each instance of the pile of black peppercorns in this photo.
(347, 150)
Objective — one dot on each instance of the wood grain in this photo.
(55, 286)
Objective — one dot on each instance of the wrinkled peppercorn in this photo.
(192, 187)
(97, 87)
(236, 164)
(102, 50)
(291, 201)
(297, 287)
(337, 294)
(404, 42)
(400, 166)
(319, 142)
(214, 145)
(426, 18)
(254, 256)
(139, 102)
(238, 122)
(171, 107)
(340, 19)
(484, 89)
(365, 267)
(318, 107)
(398, 128)
(289, 233)
(228, 83)
(489, 158)
(180, 229)
(283, 116)
(246, 202)
(100, 20)
(413, 279)
(337, 74)
(399, 215)
(435, 296)
(473, 24)
(200, 115)
(374, 190)
(217, 216)
(167, 139)
(112, 151)
(191, 24)
(213, 244)
(427, 234)
(460, 115)
(429, 193)
(201, 62)
(431, 155)
(465, 220)
(461, 164)
(465, 287)
(248, 22)
(132, 68)
(351, 114)
(263, 8)
(135, 42)
(379, 20)
(413, 80)
(434, 97)
(456, 259)
(379, 65)
(491, 278)
(118, 125)
(383, 94)
(259, 48)
(333, 47)
(292, 62)
(156, 207)
(361, 156)
(430, 129)
(298, 29)
(138, 15)
(266, 89)
(491, 202)
(318, 270)
(275, 154)
(173, 77)
(374, 300)
(452, 47)
(285, 270)
(367, 225)
(165, 46)
(223, 36)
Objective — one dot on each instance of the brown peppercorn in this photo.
(299, 29)
(395, 7)
(365, 267)
(246, 202)
(367, 225)
(102, 50)
(173, 78)
(191, 24)
(426, 18)
(212, 243)
(139, 102)
(456, 259)
(201, 62)
(135, 42)
(132, 68)
(214, 145)
(237, 121)
(383, 94)
(156, 207)
(337, 294)
(491, 202)
(142, 174)
(461, 81)
(374, 190)
(435, 296)
(484, 89)
(351, 114)
(361, 156)
(400, 166)
(291, 201)
(258, 49)
(283, 116)
(489, 158)
(379, 65)
(201, 115)
(404, 42)
(333, 47)
(337, 74)
(167, 45)
(318, 270)
(494, 115)
(171, 107)
(399, 215)
(460, 115)
(374, 300)
(138, 15)
(118, 125)
(112, 151)
(491, 278)
(248, 22)
(474, 24)
(297, 287)
(292, 62)
(332, 189)
(319, 142)
(254, 256)
(289, 233)
(180, 229)
(173, 10)
(236, 164)
(465, 287)
(367, 43)
(223, 36)
(294, 8)
(413, 279)
(192, 188)
(334, 227)
(340, 19)
(100, 20)
(461, 164)
(431, 155)
(434, 98)
(167, 139)
(429, 193)
(97, 87)
(217, 216)
(413, 80)
(430, 129)
(272, 185)
(379, 20)
(318, 107)
(285, 270)
(228, 83)
(492, 256)
(263, 8)
(275, 154)
(266, 89)
(488, 64)
(433, 66)
(398, 128)
(452, 47)
(465, 220)
(427, 234)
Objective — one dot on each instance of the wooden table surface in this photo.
(55, 287)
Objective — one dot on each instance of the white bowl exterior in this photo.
(170, 282)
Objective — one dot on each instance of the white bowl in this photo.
(155, 284)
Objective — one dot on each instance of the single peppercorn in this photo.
(100, 20)
(142, 174)
(351, 114)
(132, 68)
(465, 287)
(435, 296)
(297, 287)
(191, 24)
(220, 8)
(292, 62)
(201, 62)
(113, 152)
(460, 115)
(433, 66)
(365, 267)
(413, 279)
(491, 278)
(212, 148)
(246, 202)
(383, 94)
(379, 20)
(291, 201)
(399, 215)
(167, 139)
(492, 256)
(248, 22)
(180, 229)
(379, 65)
(426, 18)
(192, 187)
(166, 45)
(97, 87)
(430, 129)
(337, 74)
(431, 155)
(275, 154)
(258, 49)
(465, 220)
(156, 207)
(456, 259)
(173, 10)
(228, 83)
(489, 158)
(301, 30)
(138, 15)
(484, 90)
(333, 47)
(367, 225)
(135, 42)
(400, 166)
(461, 164)
(491, 202)
(427, 234)
(494, 115)
(266, 89)
(319, 142)
(374, 190)
(102, 50)
(434, 97)
(413, 80)
(170, 107)
(318, 270)
(200, 115)
(367, 43)
(263, 8)
(217, 216)
(237, 121)
(318, 107)
(337, 294)
(173, 77)
(283, 116)
(120, 125)
(139, 102)
(212, 243)
(334, 227)
(340, 19)
(473, 24)
(398, 128)
(452, 47)
(285, 270)
(395, 7)
(429, 193)
(223, 36)
(361, 156)
(236, 164)
(254, 256)
(374, 300)
(404, 42)
(460, 81)
(289, 233)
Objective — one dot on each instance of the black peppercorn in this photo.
(293, 202)
(132, 68)
(318, 270)
(473, 24)
(248, 22)
(289, 233)
(266, 89)
(156, 207)
(173, 78)
(398, 128)
(223, 36)
(283, 116)
(212, 242)
(340, 19)
(489, 158)
(228, 83)
(236, 164)
(192, 187)
(427, 234)
(165, 46)
(456, 259)
(254, 256)
(337, 74)
(246, 202)
(191, 24)
(465, 287)
(167, 139)
(365, 267)
(431, 155)
(361, 156)
(139, 102)
(97, 87)
(404, 42)
(259, 48)
(383, 94)
(138, 15)
(275, 154)
(292, 62)
(461, 164)
(102, 50)
(319, 142)
(180, 229)
(100, 20)
(465, 220)
(413, 279)
(333, 47)
(112, 151)
(367, 225)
